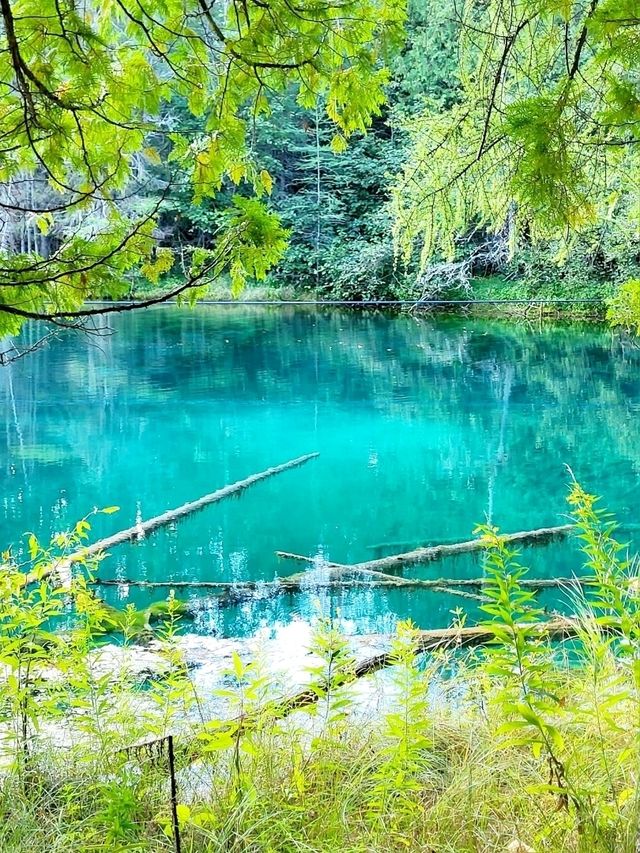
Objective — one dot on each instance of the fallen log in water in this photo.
(232, 594)
(333, 571)
(412, 545)
(240, 592)
(381, 549)
(426, 641)
(437, 552)
(145, 527)
(287, 585)
(281, 584)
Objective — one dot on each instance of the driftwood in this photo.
(145, 527)
(288, 584)
(330, 575)
(427, 641)
(437, 552)
(233, 593)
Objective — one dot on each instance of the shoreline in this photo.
(585, 310)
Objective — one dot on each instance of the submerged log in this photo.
(396, 547)
(334, 571)
(282, 584)
(559, 628)
(231, 593)
(426, 641)
(426, 555)
(143, 528)
(382, 549)
(288, 585)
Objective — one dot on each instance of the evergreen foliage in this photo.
(134, 134)
(543, 139)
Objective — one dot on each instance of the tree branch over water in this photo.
(87, 103)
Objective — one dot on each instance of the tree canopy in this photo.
(543, 138)
(82, 97)
(173, 143)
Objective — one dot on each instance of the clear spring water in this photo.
(425, 426)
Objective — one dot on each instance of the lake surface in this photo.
(425, 427)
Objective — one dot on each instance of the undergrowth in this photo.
(527, 743)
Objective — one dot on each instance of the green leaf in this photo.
(33, 546)
(183, 812)
(266, 181)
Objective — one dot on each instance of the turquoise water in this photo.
(425, 426)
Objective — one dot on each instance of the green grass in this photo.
(221, 291)
(551, 286)
(468, 790)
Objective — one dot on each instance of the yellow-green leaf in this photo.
(266, 180)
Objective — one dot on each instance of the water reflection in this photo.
(425, 427)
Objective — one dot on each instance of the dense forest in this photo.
(427, 152)
(339, 209)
